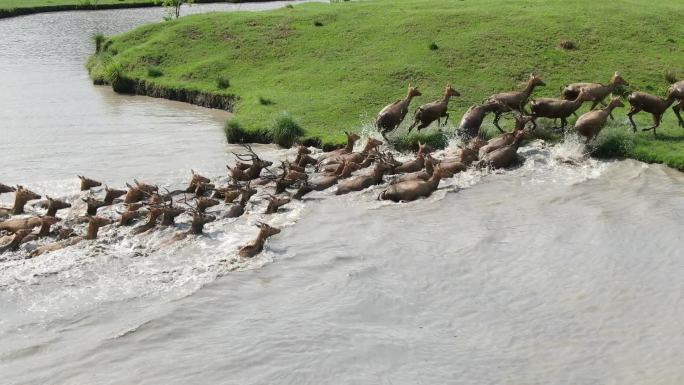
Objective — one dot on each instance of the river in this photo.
(565, 270)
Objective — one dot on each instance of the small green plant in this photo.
(99, 38)
(318, 23)
(409, 142)
(222, 82)
(433, 46)
(234, 131)
(265, 101)
(154, 72)
(289, 6)
(613, 142)
(285, 131)
(174, 7)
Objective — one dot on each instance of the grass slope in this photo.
(331, 67)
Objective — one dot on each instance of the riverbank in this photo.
(332, 67)
(12, 8)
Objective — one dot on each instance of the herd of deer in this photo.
(344, 169)
(573, 96)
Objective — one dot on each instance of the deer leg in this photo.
(564, 122)
(497, 115)
(415, 122)
(534, 123)
(676, 109)
(446, 120)
(656, 123)
(423, 125)
(633, 111)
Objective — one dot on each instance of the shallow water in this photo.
(565, 270)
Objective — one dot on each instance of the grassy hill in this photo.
(332, 67)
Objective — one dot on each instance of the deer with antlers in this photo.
(257, 246)
(253, 171)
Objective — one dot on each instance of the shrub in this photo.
(409, 142)
(99, 38)
(433, 46)
(568, 45)
(671, 77)
(234, 131)
(318, 23)
(154, 72)
(614, 142)
(222, 82)
(265, 101)
(285, 131)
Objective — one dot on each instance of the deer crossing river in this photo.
(565, 270)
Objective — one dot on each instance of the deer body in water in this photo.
(356, 157)
(417, 175)
(45, 223)
(656, 106)
(344, 170)
(274, 203)
(558, 108)
(428, 113)
(87, 183)
(361, 182)
(22, 196)
(505, 156)
(257, 246)
(506, 138)
(591, 123)
(473, 118)
(514, 100)
(12, 243)
(392, 115)
(152, 217)
(348, 149)
(238, 209)
(597, 90)
(677, 91)
(412, 189)
(14, 225)
(94, 224)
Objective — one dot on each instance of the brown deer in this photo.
(169, 214)
(558, 108)
(112, 194)
(352, 138)
(362, 182)
(505, 156)
(204, 203)
(199, 220)
(22, 196)
(253, 171)
(356, 157)
(195, 181)
(505, 139)
(597, 90)
(428, 113)
(470, 124)
(133, 195)
(677, 90)
(53, 206)
(414, 165)
(418, 175)
(391, 116)
(87, 183)
(6, 189)
(12, 243)
(151, 223)
(238, 209)
(412, 189)
(132, 213)
(469, 153)
(344, 170)
(591, 123)
(274, 203)
(514, 100)
(257, 246)
(14, 225)
(93, 205)
(45, 223)
(94, 224)
(450, 168)
(656, 106)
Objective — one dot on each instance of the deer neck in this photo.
(445, 98)
(609, 108)
(429, 168)
(667, 102)
(197, 227)
(378, 173)
(528, 89)
(350, 145)
(260, 240)
(51, 211)
(92, 231)
(434, 179)
(19, 203)
(44, 229)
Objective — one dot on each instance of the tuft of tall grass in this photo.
(285, 131)
(234, 131)
(99, 38)
(614, 142)
(154, 72)
(222, 82)
(409, 142)
(265, 101)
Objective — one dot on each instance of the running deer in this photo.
(344, 170)
(14, 225)
(591, 123)
(362, 182)
(412, 189)
(414, 165)
(558, 108)
(597, 90)
(53, 206)
(472, 119)
(418, 175)
(428, 113)
(514, 100)
(654, 105)
(506, 138)
(254, 169)
(505, 156)
(257, 246)
(356, 157)
(392, 115)
(677, 90)
(87, 183)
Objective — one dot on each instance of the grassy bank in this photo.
(331, 67)
(11, 8)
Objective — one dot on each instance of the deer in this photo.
(169, 214)
(94, 225)
(238, 209)
(228, 194)
(14, 225)
(352, 138)
(420, 174)
(6, 189)
(505, 156)
(356, 157)
(274, 203)
(362, 182)
(451, 168)
(514, 100)
(411, 190)
(391, 116)
(344, 170)
(204, 203)
(12, 243)
(112, 194)
(428, 113)
(45, 223)
(93, 205)
(22, 196)
(558, 108)
(591, 123)
(597, 90)
(53, 205)
(656, 106)
(257, 246)
(414, 165)
(253, 171)
(151, 223)
(132, 213)
(195, 181)
(468, 153)
(504, 139)
(677, 90)
(470, 124)
(87, 183)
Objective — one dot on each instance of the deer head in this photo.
(424, 148)
(413, 91)
(94, 224)
(111, 194)
(535, 81)
(6, 189)
(618, 80)
(449, 92)
(266, 230)
(205, 203)
(87, 183)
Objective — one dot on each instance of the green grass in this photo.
(337, 76)
(15, 4)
